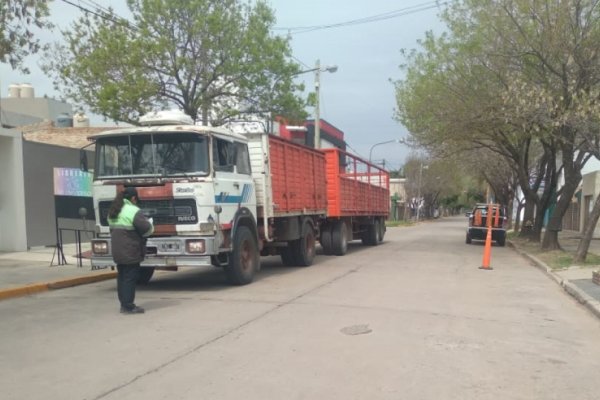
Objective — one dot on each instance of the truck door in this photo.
(234, 187)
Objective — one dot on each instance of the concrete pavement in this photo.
(577, 281)
(37, 270)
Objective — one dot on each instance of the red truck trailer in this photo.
(327, 193)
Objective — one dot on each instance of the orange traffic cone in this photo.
(487, 251)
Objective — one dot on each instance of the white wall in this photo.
(13, 234)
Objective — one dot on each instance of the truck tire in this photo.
(305, 248)
(325, 240)
(382, 229)
(244, 259)
(468, 239)
(339, 238)
(145, 275)
(370, 237)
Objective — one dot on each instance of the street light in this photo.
(386, 142)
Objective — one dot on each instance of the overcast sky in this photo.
(358, 98)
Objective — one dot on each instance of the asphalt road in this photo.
(413, 318)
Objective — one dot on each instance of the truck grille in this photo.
(163, 212)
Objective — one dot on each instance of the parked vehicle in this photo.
(478, 223)
(223, 198)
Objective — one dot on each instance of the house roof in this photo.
(66, 137)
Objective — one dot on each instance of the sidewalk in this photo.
(575, 280)
(34, 271)
(37, 270)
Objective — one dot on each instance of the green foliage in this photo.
(17, 40)
(214, 59)
(517, 78)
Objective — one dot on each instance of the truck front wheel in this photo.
(244, 259)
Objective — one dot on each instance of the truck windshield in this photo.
(153, 154)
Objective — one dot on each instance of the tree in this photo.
(451, 103)
(214, 59)
(17, 40)
(518, 77)
(431, 182)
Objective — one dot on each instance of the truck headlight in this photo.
(100, 247)
(195, 246)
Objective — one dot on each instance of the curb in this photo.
(583, 298)
(54, 285)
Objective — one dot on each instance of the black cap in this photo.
(130, 192)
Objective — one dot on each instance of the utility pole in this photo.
(317, 105)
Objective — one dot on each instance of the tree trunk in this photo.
(528, 217)
(588, 232)
(572, 179)
(517, 226)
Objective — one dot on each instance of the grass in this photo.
(393, 224)
(555, 259)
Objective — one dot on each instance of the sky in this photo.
(358, 98)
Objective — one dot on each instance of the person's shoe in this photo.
(133, 310)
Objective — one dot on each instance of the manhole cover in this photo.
(356, 330)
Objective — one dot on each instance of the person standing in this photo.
(129, 229)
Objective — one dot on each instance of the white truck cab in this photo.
(195, 182)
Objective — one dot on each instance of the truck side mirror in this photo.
(83, 161)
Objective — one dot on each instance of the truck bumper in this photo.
(161, 252)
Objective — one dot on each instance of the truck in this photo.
(222, 198)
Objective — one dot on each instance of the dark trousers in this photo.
(127, 277)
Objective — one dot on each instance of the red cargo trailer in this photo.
(358, 202)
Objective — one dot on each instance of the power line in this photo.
(374, 18)
(103, 13)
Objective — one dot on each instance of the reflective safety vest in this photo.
(128, 232)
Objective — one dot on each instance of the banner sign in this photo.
(72, 182)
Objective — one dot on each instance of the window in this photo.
(162, 154)
(242, 159)
(223, 155)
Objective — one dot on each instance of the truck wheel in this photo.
(339, 238)
(468, 239)
(145, 275)
(244, 259)
(370, 237)
(382, 229)
(325, 240)
(305, 248)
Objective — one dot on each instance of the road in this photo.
(413, 318)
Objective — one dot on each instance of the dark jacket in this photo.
(128, 234)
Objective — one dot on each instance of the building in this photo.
(31, 146)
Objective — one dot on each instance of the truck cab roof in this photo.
(170, 129)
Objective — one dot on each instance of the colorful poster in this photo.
(72, 182)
